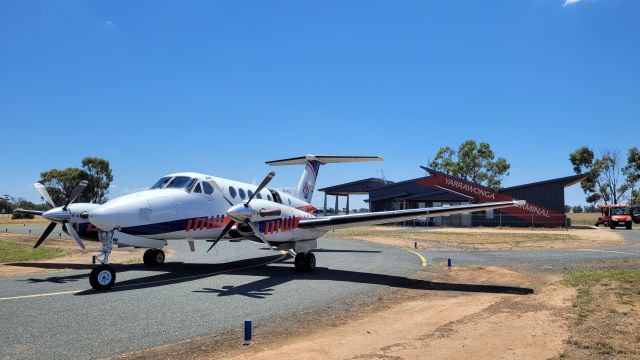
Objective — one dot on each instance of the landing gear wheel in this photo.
(299, 261)
(102, 277)
(310, 262)
(611, 226)
(153, 257)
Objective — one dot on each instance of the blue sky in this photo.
(221, 87)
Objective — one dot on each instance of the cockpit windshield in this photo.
(161, 183)
(181, 182)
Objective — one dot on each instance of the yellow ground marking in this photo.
(422, 259)
(283, 254)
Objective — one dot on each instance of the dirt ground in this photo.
(483, 238)
(459, 313)
(75, 257)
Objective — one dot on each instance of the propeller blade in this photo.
(257, 233)
(73, 234)
(223, 233)
(218, 189)
(45, 195)
(30, 212)
(264, 183)
(44, 235)
(76, 192)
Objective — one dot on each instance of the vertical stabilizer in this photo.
(304, 190)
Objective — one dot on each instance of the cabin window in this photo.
(232, 192)
(208, 189)
(269, 197)
(249, 193)
(198, 189)
(259, 196)
(241, 192)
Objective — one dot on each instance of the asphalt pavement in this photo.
(57, 315)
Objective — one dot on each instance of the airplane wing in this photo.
(345, 221)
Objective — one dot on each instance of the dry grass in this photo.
(5, 220)
(588, 219)
(608, 314)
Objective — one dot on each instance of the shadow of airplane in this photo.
(271, 275)
(277, 275)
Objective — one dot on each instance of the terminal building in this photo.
(544, 207)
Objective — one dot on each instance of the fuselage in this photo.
(187, 206)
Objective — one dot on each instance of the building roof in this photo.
(358, 187)
(566, 181)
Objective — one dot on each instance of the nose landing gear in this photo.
(103, 276)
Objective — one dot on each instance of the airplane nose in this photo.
(104, 217)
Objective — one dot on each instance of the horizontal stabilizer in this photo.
(324, 159)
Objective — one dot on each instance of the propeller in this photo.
(233, 221)
(57, 214)
(44, 235)
(75, 193)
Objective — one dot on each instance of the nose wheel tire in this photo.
(102, 277)
(305, 262)
(153, 257)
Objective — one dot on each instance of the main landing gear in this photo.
(305, 261)
(103, 276)
(153, 257)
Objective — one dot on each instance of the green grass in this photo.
(13, 251)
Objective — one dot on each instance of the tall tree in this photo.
(632, 173)
(60, 183)
(606, 181)
(100, 178)
(473, 162)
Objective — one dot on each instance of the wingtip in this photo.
(519, 202)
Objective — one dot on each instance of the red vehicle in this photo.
(615, 215)
(635, 214)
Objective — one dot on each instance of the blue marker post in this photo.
(449, 263)
(247, 332)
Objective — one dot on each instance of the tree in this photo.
(577, 209)
(100, 178)
(60, 183)
(590, 209)
(567, 209)
(632, 173)
(472, 162)
(605, 180)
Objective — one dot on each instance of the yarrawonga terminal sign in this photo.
(529, 212)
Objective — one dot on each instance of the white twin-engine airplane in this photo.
(198, 207)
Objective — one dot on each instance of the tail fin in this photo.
(307, 183)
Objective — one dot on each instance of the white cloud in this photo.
(570, 2)
(110, 23)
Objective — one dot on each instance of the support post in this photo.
(347, 203)
(337, 211)
(324, 210)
